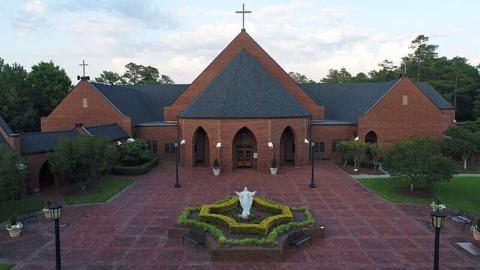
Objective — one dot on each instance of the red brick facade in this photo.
(71, 110)
(393, 122)
(264, 130)
(404, 111)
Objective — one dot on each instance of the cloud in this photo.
(32, 16)
(147, 12)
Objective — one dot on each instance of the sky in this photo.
(181, 37)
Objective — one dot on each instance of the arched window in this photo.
(371, 137)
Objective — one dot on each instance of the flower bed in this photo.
(265, 233)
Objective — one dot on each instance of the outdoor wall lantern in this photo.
(270, 145)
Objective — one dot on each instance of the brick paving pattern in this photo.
(129, 232)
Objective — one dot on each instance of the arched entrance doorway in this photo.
(200, 147)
(244, 145)
(371, 137)
(287, 147)
(46, 178)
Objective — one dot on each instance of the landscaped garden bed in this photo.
(261, 235)
(97, 191)
(19, 207)
(135, 170)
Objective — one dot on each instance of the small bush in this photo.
(274, 163)
(135, 170)
(134, 153)
(13, 173)
(216, 164)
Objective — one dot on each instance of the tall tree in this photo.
(16, 105)
(110, 77)
(387, 71)
(133, 73)
(49, 85)
(300, 78)
(338, 76)
(422, 53)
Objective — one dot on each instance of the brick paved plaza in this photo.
(129, 232)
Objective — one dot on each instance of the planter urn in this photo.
(216, 171)
(476, 235)
(273, 171)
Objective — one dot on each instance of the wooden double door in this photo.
(244, 156)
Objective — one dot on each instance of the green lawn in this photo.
(107, 188)
(461, 193)
(27, 205)
(6, 266)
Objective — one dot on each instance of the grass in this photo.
(461, 193)
(107, 187)
(27, 205)
(4, 266)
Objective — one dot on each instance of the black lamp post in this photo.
(56, 212)
(311, 144)
(177, 155)
(438, 219)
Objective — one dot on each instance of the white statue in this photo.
(246, 199)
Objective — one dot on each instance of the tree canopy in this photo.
(27, 96)
(456, 79)
(419, 159)
(13, 172)
(134, 74)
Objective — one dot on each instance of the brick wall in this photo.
(394, 122)
(161, 134)
(99, 111)
(264, 130)
(243, 40)
(328, 133)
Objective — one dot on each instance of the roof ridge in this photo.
(47, 132)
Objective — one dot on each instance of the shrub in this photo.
(135, 170)
(13, 173)
(419, 159)
(133, 153)
(216, 164)
(210, 213)
(274, 234)
(79, 158)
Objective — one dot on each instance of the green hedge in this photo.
(135, 170)
(269, 239)
(211, 213)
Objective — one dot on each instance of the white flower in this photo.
(130, 140)
(119, 143)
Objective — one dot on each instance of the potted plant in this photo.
(216, 167)
(46, 210)
(274, 167)
(437, 205)
(14, 227)
(476, 230)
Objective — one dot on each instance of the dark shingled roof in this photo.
(435, 96)
(347, 101)
(4, 125)
(143, 103)
(41, 142)
(111, 132)
(244, 89)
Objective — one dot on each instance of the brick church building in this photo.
(243, 110)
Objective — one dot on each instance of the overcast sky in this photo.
(181, 38)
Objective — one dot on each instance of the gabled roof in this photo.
(143, 103)
(111, 132)
(435, 96)
(5, 127)
(41, 142)
(347, 101)
(244, 89)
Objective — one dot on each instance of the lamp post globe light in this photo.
(56, 212)
(438, 220)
